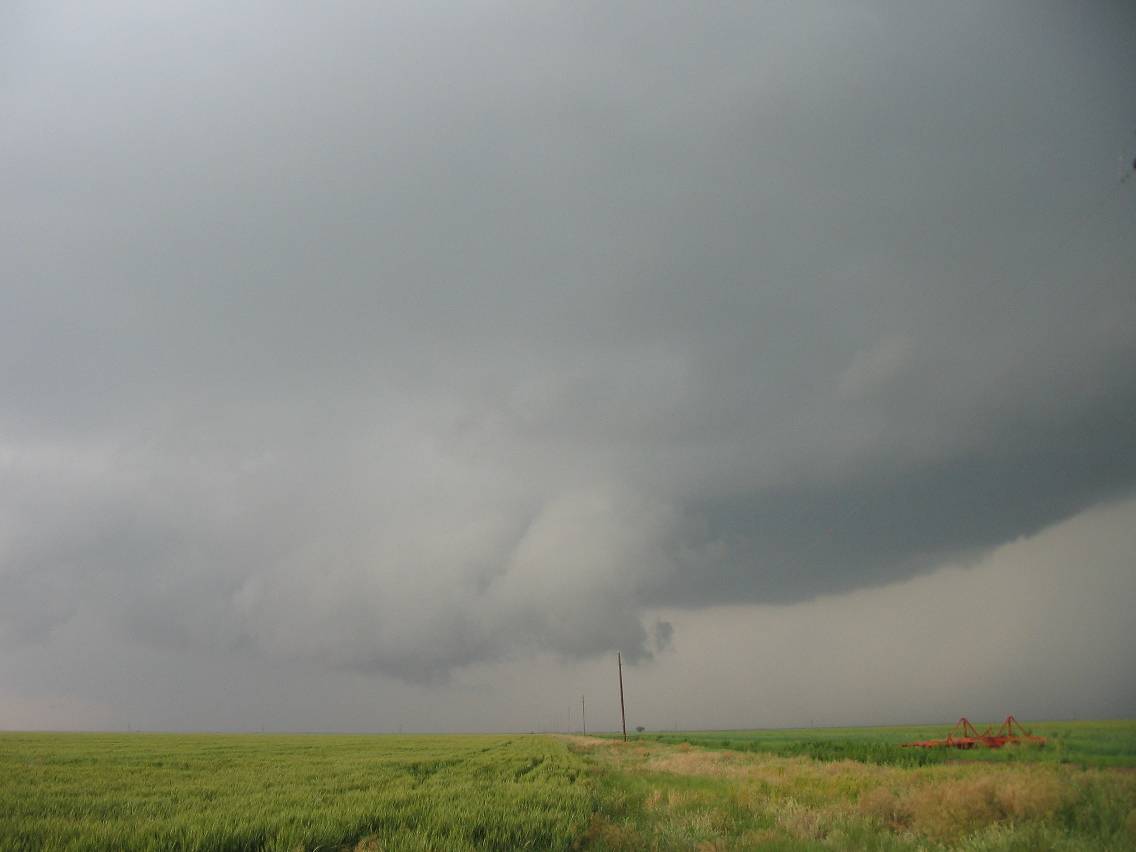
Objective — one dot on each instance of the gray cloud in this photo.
(404, 340)
(1038, 627)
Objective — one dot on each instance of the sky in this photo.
(393, 366)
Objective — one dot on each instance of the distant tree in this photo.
(640, 728)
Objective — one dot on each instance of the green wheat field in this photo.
(850, 788)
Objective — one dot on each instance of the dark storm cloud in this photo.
(409, 338)
(884, 523)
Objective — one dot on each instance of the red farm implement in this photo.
(965, 735)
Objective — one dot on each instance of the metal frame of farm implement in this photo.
(965, 735)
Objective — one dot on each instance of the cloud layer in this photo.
(409, 339)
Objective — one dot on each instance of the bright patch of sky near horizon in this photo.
(420, 357)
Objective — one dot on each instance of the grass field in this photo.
(1105, 743)
(219, 792)
(665, 796)
(236, 792)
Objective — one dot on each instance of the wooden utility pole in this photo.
(583, 718)
(622, 712)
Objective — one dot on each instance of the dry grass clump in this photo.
(884, 806)
(759, 839)
(807, 821)
(753, 797)
(957, 807)
(682, 798)
(801, 821)
(1035, 796)
(654, 800)
(706, 763)
(587, 745)
(796, 772)
(948, 808)
(703, 821)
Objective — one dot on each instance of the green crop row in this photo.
(155, 792)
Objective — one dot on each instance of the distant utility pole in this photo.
(583, 718)
(622, 712)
